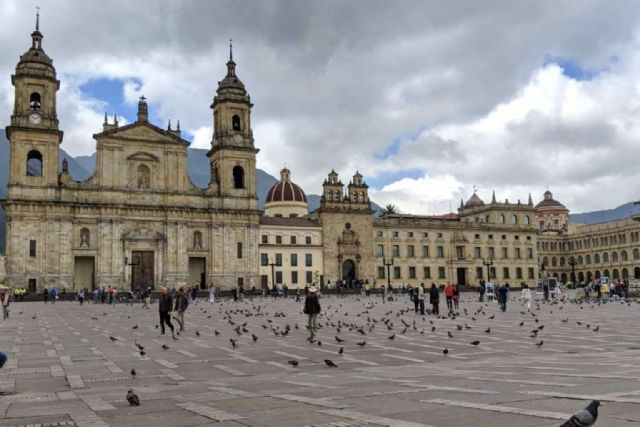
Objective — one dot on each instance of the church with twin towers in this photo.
(140, 221)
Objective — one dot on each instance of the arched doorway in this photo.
(636, 273)
(616, 273)
(605, 273)
(581, 277)
(625, 273)
(589, 276)
(563, 277)
(597, 274)
(348, 271)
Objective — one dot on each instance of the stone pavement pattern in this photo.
(64, 369)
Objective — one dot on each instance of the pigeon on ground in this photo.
(488, 330)
(596, 329)
(133, 372)
(362, 344)
(330, 363)
(445, 351)
(142, 353)
(135, 327)
(341, 350)
(521, 324)
(132, 398)
(165, 347)
(217, 332)
(539, 343)
(233, 342)
(338, 339)
(391, 337)
(197, 333)
(476, 342)
(113, 338)
(585, 417)
(293, 362)
(450, 334)
(254, 337)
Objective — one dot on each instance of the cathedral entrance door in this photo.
(462, 276)
(348, 271)
(142, 270)
(83, 273)
(197, 272)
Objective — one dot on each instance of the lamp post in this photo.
(388, 263)
(572, 263)
(488, 262)
(273, 264)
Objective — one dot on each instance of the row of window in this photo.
(279, 239)
(587, 259)
(502, 219)
(293, 260)
(590, 242)
(441, 273)
(460, 252)
(293, 277)
(410, 235)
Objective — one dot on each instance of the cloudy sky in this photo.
(427, 99)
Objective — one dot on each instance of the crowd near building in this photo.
(139, 221)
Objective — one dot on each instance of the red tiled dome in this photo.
(285, 190)
(474, 201)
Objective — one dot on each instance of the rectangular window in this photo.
(307, 240)
(518, 272)
(492, 272)
(309, 277)
(264, 260)
(530, 253)
(426, 272)
(439, 235)
(460, 252)
(395, 251)
(412, 272)
(294, 277)
(505, 272)
(440, 251)
(425, 252)
(379, 234)
(477, 236)
(441, 274)
(379, 250)
(278, 276)
(477, 252)
(396, 272)
(380, 272)
(490, 236)
(395, 234)
(492, 253)
(294, 260)
(308, 260)
(517, 253)
(531, 273)
(479, 272)
(32, 248)
(293, 240)
(410, 234)
(278, 239)
(425, 234)
(239, 250)
(265, 238)
(279, 260)
(410, 251)
(505, 252)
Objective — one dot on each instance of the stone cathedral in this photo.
(139, 220)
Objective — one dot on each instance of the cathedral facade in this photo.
(139, 221)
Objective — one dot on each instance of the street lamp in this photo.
(388, 263)
(488, 262)
(273, 264)
(572, 263)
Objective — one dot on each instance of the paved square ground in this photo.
(70, 365)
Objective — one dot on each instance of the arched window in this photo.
(514, 219)
(588, 259)
(554, 262)
(197, 240)
(597, 274)
(541, 224)
(238, 177)
(477, 219)
(144, 177)
(605, 273)
(625, 273)
(623, 255)
(580, 260)
(596, 259)
(235, 122)
(34, 163)
(636, 254)
(330, 195)
(616, 273)
(85, 238)
(545, 261)
(614, 256)
(34, 101)
(527, 220)
(501, 219)
(605, 257)
(562, 261)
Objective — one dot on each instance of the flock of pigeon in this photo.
(361, 324)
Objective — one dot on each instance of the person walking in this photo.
(434, 299)
(81, 296)
(212, 293)
(419, 296)
(456, 296)
(54, 295)
(182, 302)
(416, 301)
(6, 300)
(45, 295)
(481, 291)
(312, 309)
(165, 304)
(448, 293)
(297, 293)
(604, 290)
(525, 294)
(503, 294)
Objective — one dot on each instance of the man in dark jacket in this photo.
(182, 302)
(165, 304)
(434, 299)
(312, 308)
(503, 295)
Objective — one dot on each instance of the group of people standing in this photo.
(418, 296)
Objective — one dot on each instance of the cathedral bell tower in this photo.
(233, 154)
(33, 134)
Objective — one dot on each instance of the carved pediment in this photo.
(143, 132)
(143, 157)
(143, 233)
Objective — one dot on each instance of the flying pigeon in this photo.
(132, 398)
(585, 417)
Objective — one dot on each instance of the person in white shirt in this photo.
(525, 294)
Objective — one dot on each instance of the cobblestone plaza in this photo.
(71, 365)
